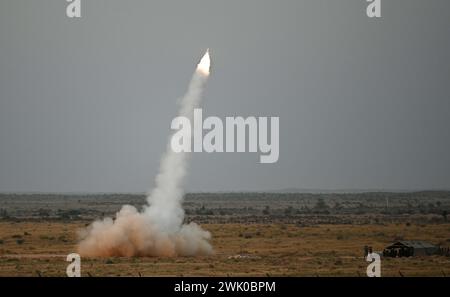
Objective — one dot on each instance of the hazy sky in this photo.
(86, 104)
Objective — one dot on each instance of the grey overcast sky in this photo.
(86, 104)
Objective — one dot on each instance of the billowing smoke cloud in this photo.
(158, 229)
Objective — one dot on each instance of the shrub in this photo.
(320, 204)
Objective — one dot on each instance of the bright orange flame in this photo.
(205, 64)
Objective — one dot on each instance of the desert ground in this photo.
(253, 234)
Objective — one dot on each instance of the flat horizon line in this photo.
(282, 191)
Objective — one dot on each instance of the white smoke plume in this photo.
(158, 229)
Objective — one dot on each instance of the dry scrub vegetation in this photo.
(32, 248)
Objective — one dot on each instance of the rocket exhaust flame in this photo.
(205, 64)
(158, 229)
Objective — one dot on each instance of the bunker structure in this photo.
(410, 248)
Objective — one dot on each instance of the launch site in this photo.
(253, 234)
(195, 147)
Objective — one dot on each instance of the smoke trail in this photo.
(158, 229)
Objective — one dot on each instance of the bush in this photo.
(320, 204)
(289, 210)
